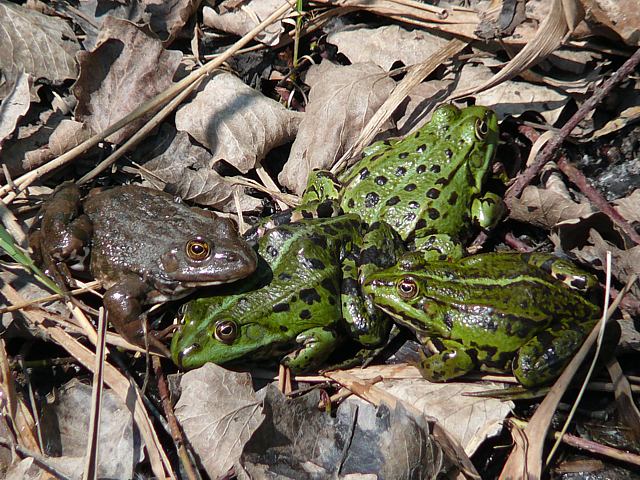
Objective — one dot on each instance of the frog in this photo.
(144, 246)
(524, 314)
(429, 186)
(303, 302)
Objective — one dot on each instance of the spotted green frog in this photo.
(497, 312)
(428, 186)
(145, 246)
(303, 301)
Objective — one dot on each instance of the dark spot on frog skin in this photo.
(393, 201)
(324, 209)
(422, 223)
(271, 250)
(332, 300)
(281, 307)
(400, 171)
(442, 181)
(410, 187)
(560, 276)
(413, 204)
(319, 240)
(381, 180)
(421, 148)
(305, 314)
(329, 286)
(433, 214)
(410, 217)
(371, 199)
(448, 153)
(364, 173)
(283, 328)
(351, 203)
(433, 193)
(350, 286)
(309, 295)
(329, 230)
(435, 168)
(421, 168)
(314, 263)
(447, 319)
(403, 155)
(284, 276)
(453, 198)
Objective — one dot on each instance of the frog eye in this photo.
(226, 331)
(407, 288)
(481, 129)
(197, 249)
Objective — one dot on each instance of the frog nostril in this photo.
(187, 351)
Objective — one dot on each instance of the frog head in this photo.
(212, 256)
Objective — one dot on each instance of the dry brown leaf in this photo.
(342, 99)
(186, 170)
(235, 122)
(14, 106)
(471, 420)
(548, 205)
(218, 411)
(629, 206)
(561, 19)
(128, 67)
(621, 16)
(386, 45)
(240, 19)
(40, 45)
(165, 17)
(512, 97)
(421, 101)
(36, 145)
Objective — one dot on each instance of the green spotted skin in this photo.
(427, 184)
(497, 312)
(304, 300)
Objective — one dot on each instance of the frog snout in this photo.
(194, 347)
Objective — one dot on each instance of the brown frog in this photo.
(146, 247)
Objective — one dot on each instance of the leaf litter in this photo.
(229, 135)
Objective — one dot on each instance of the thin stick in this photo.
(552, 146)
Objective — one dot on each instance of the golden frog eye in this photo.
(407, 288)
(481, 128)
(197, 249)
(226, 331)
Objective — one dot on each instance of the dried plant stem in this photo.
(550, 148)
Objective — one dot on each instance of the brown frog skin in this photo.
(146, 248)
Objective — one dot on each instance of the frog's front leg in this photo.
(452, 361)
(379, 248)
(317, 344)
(486, 211)
(123, 302)
(563, 270)
(439, 247)
(543, 358)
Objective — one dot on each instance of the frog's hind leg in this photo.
(452, 361)
(543, 358)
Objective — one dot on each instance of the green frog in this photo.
(428, 186)
(498, 312)
(304, 300)
(145, 246)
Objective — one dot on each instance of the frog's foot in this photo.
(543, 358)
(563, 270)
(439, 247)
(452, 361)
(123, 303)
(317, 344)
(487, 210)
(322, 185)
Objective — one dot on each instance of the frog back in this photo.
(426, 182)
